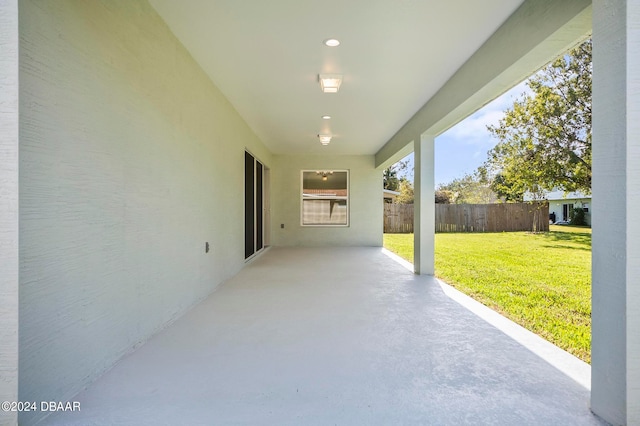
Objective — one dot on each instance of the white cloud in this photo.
(473, 129)
(463, 148)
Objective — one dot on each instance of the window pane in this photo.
(325, 195)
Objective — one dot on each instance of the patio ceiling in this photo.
(395, 55)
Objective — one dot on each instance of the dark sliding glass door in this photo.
(253, 205)
(259, 205)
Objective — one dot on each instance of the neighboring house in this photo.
(561, 205)
(389, 196)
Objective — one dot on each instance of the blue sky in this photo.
(463, 148)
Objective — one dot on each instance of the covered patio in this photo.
(343, 336)
(151, 151)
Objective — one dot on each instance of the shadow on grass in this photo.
(582, 238)
(568, 247)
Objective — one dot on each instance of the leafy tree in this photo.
(390, 179)
(443, 196)
(469, 189)
(545, 138)
(522, 161)
(406, 192)
(504, 189)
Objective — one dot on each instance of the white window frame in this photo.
(324, 197)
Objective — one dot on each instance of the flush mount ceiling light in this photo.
(326, 117)
(330, 83)
(324, 139)
(332, 42)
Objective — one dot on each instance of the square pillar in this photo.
(9, 266)
(615, 374)
(424, 219)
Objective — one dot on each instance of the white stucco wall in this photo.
(365, 198)
(633, 207)
(615, 368)
(129, 159)
(9, 91)
(555, 206)
(424, 220)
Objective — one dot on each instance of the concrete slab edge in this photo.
(565, 362)
(568, 364)
(408, 265)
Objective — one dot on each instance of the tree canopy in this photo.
(390, 179)
(443, 196)
(545, 137)
(469, 189)
(406, 192)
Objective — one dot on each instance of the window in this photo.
(325, 198)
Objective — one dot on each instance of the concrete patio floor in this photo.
(338, 336)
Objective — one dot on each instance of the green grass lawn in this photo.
(540, 281)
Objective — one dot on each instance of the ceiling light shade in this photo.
(324, 139)
(330, 83)
(332, 42)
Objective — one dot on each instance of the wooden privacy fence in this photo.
(491, 217)
(398, 218)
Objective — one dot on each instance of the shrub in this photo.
(577, 217)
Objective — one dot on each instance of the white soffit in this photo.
(265, 57)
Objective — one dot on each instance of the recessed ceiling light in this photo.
(332, 42)
(326, 117)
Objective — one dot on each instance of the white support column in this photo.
(9, 265)
(615, 394)
(424, 203)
